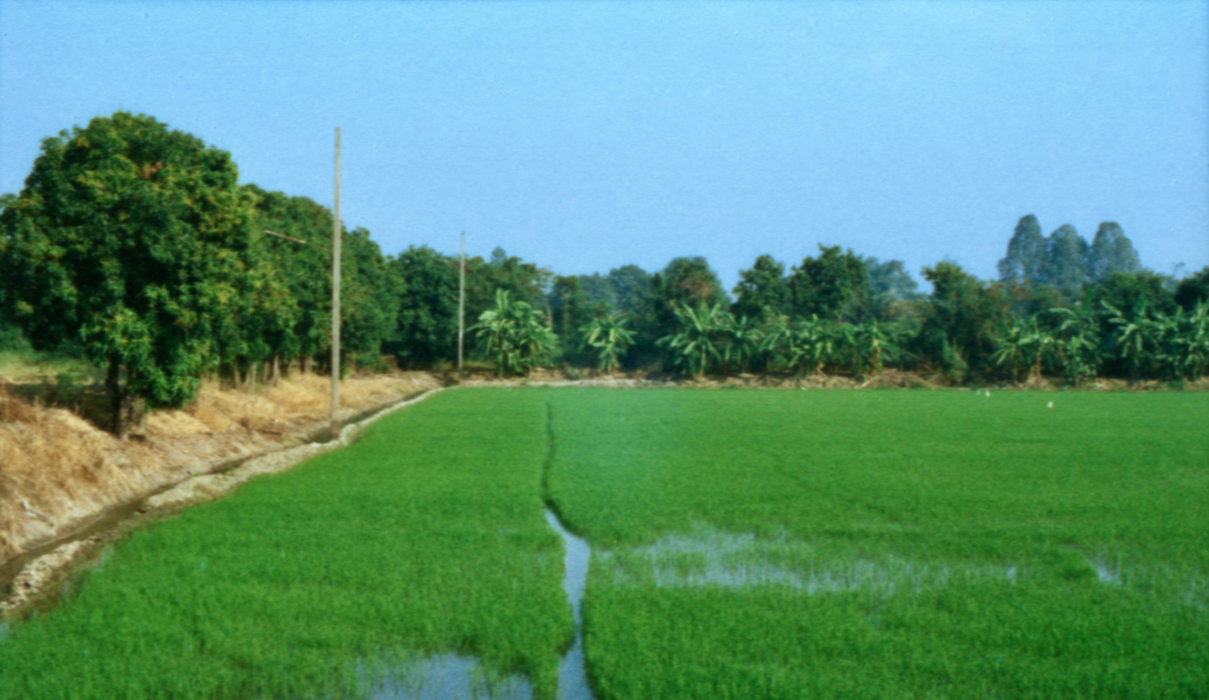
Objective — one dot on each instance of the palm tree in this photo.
(610, 338)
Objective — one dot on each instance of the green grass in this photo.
(25, 365)
(778, 544)
(427, 536)
(890, 544)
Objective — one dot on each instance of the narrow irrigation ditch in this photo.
(572, 672)
(449, 676)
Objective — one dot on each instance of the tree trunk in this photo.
(113, 386)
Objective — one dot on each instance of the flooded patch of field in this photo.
(461, 677)
(572, 675)
(709, 557)
(452, 677)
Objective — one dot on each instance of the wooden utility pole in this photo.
(336, 299)
(461, 302)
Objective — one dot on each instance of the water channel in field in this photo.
(457, 677)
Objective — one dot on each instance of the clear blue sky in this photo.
(587, 135)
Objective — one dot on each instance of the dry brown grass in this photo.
(57, 469)
(53, 463)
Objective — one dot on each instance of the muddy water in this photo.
(451, 676)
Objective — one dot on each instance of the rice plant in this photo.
(889, 544)
(427, 537)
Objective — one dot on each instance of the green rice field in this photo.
(745, 544)
(427, 536)
(890, 544)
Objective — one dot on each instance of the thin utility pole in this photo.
(336, 299)
(461, 302)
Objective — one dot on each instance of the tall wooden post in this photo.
(336, 298)
(461, 302)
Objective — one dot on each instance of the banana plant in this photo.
(698, 343)
(1183, 342)
(866, 344)
(1133, 337)
(1078, 344)
(801, 345)
(744, 336)
(1024, 349)
(514, 335)
(610, 338)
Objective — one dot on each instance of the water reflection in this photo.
(714, 558)
(454, 677)
(572, 676)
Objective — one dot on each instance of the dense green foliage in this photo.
(415, 541)
(134, 241)
(134, 244)
(889, 544)
(514, 335)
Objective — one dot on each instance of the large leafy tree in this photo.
(889, 290)
(306, 268)
(131, 238)
(600, 292)
(1065, 266)
(1193, 289)
(427, 323)
(961, 320)
(1128, 292)
(1111, 252)
(687, 282)
(1079, 343)
(632, 289)
(828, 285)
(369, 299)
(1024, 347)
(1025, 254)
(571, 310)
(635, 302)
(762, 290)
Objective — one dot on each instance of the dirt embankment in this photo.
(59, 473)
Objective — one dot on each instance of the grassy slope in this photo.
(927, 501)
(428, 534)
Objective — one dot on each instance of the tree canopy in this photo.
(827, 285)
(133, 239)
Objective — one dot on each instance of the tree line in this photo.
(136, 246)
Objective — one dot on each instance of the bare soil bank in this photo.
(59, 473)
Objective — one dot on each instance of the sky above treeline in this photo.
(584, 136)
